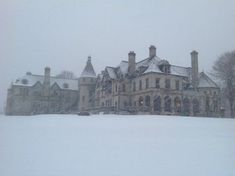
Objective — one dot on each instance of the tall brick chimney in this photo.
(194, 63)
(152, 51)
(131, 62)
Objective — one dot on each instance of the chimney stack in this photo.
(46, 83)
(152, 51)
(131, 61)
(194, 62)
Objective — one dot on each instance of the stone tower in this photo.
(87, 82)
(194, 62)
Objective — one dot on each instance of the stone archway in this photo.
(177, 103)
(167, 103)
(196, 106)
(186, 106)
(157, 104)
(147, 100)
(141, 101)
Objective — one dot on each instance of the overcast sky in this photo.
(62, 33)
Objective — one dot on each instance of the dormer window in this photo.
(164, 66)
(65, 86)
(24, 81)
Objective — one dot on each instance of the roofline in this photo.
(53, 77)
(209, 78)
(164, 74)
(180, 66)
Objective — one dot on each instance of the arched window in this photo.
(157, 104)
(215, 103)
(141, 101)
(147, 100)
(186, 106)
(140, 85)
(134, 86)
(196, 108)
(177, 103)
(207, 104)
(167, 101)
(123, 87)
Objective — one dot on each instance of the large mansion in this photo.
(150, 86)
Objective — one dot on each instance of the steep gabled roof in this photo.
(152, 67)
(111, 72)
(181, 71)
(205, 81)
(88, 70)
(148, 65)
(32, 80)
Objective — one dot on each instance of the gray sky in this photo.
(62, 33)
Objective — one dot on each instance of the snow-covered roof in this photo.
(88, 70)
(180, 71)
(148, 65)
(205, 81)
(31, 80)
(123, 66)
(153, 67)
(111, 72)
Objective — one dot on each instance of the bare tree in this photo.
(66, 75)
(224, 70)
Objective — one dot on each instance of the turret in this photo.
(194, 63)
(87, 82)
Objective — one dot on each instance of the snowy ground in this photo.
(65, 145)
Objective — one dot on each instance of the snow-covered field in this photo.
(109, 145)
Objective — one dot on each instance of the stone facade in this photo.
(153, 86)
(38, 94)
(150, 86)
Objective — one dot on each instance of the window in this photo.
(134, 86)
(157, 84)
(147, 100)
(195, 106)
(83, 98)
(83, 79)
(124, 88)
(177, 105)
(157, 104)
(116, 87)
(167, 104)
(65, 85)
(90, 93)
(147, 83)
(23, 91)
(24, 81)
(207, 104)
(141, 101)
(186, 106)
(140, 85)
(177, 85)
(215, 103)
(167, 84)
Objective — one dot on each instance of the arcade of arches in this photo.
(172, 105)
